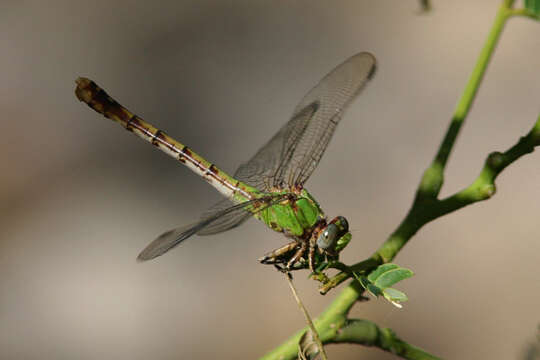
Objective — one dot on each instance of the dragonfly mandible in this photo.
(269, 186)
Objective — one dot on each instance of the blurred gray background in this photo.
(80, 197)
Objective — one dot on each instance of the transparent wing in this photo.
(265, 169)
(172, 238)
(333, 93)
(225, 222)
(293, 153)
(290, 157)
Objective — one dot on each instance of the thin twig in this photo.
(306, 315)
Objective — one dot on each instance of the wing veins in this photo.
(174, 237)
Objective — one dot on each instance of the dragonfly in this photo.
(270, 185)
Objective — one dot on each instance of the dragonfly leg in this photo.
(275, 256)
(297, 255)
(311, 254)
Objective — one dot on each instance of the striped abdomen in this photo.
(88, 92)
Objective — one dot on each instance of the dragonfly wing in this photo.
(333, 94)
(174, 237)
(168, 240)
(225, 222)
(295, 150)
(292, 154)
(265, 169)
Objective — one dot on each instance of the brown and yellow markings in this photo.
(84, 89)
(136, 123)
(196, 159)
(213, 173)
(90, 93)
(214, 170)
(186, 153)
(164, 139)
(158, 139)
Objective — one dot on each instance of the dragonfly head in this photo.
(335, 236)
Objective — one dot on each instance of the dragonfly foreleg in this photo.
(311, 254)
(276, 256)
(298, 255)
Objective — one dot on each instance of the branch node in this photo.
(432, 181)
(495, 160)
(487, 191)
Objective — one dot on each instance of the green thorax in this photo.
(292, 217)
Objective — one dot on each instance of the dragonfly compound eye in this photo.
(327, 239)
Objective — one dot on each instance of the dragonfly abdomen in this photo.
(90, 93)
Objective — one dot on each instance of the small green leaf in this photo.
(379, 281)
(396, 297)
(381, 270)
(391, 277)
(388, 274)
(533, 5)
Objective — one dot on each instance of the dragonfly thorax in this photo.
(296, 216)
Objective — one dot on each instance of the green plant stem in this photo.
(482, 188)
(426, 207)
(333, 325)
(433, 178)
(526, 13)
(367, 333)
